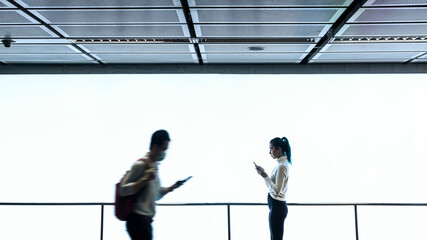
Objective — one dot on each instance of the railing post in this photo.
(102, 221)
(356, 222)
(228, 221)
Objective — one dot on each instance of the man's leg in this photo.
(139, 227)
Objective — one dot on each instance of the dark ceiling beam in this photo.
(250, 69)
(413, 59)
(190, 26)
(26, 11)
(341, 21)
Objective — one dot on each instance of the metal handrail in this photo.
(102, 204)
(216, 204)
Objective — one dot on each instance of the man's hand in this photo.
(149, 174)
(175, 186)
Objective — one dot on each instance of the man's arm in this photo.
(136, 179)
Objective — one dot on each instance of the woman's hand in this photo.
(261, 171)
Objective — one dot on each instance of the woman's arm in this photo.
(280, 180)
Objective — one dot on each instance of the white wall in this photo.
(354, 138)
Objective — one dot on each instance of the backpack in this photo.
(124, 205)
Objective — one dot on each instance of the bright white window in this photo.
(354, 138)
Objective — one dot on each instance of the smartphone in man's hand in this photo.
(180, 182)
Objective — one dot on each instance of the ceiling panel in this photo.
(38, 49)
(15, 17)
(47, 62)
(358, 61)
(25, 31)
(261, 30)
(6, 4)
(266, 15)
(422, 60)
(48, 41)
(97, 3)
(53, 58)
(257, 58)
(110, 16)
(269, 3)
(242, 48)
(148, 58)
(387, 30)
(376, 47)
(138, 48)
(395, 2)
(123, 31)
(390, 15)
(367, 56)
(227, 31)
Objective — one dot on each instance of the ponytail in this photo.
(283, 143)
(287, 149)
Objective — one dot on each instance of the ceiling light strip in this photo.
(380, 39)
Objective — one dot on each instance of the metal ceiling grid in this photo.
(15, 17)
(265, 15)
(147, 58)
(151, 48)
(40, 49)
(45, 58)
(123, 31)
(386, 30)
(96, 23)
(376, 33)
(269, 3)
(264, 28)
(206, 31)
(250, 58)
(356, 61)
(98, 3)
(248, 48)
(110, 16)
(378, 56)
(374, 47)
(422, 58)
(25, 31)
(391, 15)
(259, 53)
(41, 41)
(261, 30)
(383, 3)
(6, 4)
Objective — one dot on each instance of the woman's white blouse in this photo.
(277, 183)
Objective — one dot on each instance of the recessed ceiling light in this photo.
(256, 48)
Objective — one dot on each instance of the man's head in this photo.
(159, 144)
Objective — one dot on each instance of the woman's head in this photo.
(280, 147)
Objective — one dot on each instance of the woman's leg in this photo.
(278, 213)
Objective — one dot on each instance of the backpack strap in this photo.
(146, 162)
